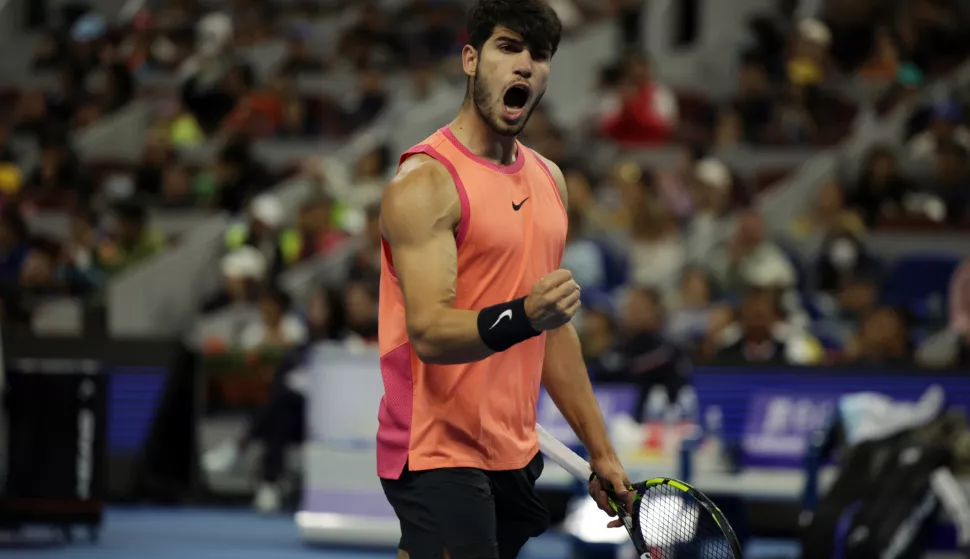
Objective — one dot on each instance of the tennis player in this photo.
(475, 310)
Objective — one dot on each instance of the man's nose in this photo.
(525, 72)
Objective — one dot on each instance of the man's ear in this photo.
(469, 60)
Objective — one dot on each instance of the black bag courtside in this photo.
(881, 505)
(895, 520)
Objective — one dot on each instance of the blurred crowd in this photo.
(676, 263)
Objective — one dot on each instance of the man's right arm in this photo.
(419, 214)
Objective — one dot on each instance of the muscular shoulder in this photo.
(421, 194)
(557, 176)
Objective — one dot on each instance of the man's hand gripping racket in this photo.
(660, 514)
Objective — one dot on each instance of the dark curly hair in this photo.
(533, 19)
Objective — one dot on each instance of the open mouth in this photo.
(515, 100)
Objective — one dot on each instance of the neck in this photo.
(473, 133)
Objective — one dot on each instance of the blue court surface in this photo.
(205, 534)
(187, 533)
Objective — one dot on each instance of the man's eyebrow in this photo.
(510, 39)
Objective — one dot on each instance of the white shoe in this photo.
(222, 458)
(269, 498)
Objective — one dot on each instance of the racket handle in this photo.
(562, 455)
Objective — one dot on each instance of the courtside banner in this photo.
(780, 424)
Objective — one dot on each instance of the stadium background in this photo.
(188, 196)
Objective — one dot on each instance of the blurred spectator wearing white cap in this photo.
(712, 222)
(750, 259)
(261, 229)
(243, 271)
(946, 125)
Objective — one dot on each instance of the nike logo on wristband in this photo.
(507, 313)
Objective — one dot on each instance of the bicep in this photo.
(418, 218)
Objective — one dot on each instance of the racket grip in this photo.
(562, 455)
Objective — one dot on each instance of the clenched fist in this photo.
(553, 301)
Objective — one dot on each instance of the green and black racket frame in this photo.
(669, 517)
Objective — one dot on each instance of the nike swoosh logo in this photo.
(507, 313)
(516, 207)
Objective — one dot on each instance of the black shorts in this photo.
(474, 514)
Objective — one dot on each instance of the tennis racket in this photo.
(669, 517)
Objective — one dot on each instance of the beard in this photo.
(489, 105)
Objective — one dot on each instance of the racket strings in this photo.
(674, 524)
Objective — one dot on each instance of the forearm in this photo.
(567, 382)
(448, 337)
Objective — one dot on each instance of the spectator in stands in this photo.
(846, 275)
(114, 85)
(260, 229)
(278, 423)
(792, 121)
(749, 257)
(678, 184)
(238, 176)
(360, 306)
(257, 111)
(754, 104)
(60, 179)
(934, 33)
(623, 195)
(371, 100)
(883, 64)
(959, 296)
(7, 153)
(205, 92)
(177, 188)
(366, 262)
(156, 158)
(657, 253)
(79, 256)
(829, 214)
(316, 234)
(729, 130)
(277, 328)
(882, 189)
(298, 59)
(946, 125)
(38, 275)
(32, 115)
(324, 317)
(691, 308)
(951, 347)
(353, 187)
(645, 113)
(643, 356)
(13, 243)
(762, 336)
(949, 188)
(595, 218)
(583, 256)
(243, 272)
(712, 221)
(132, 240)
(882, 339)
(598, 333)
(809, 57)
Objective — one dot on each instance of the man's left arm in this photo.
(567, 382)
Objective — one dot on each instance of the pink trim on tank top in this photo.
(395, 413)
(515, 167)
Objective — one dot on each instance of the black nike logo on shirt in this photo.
(518, 206)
